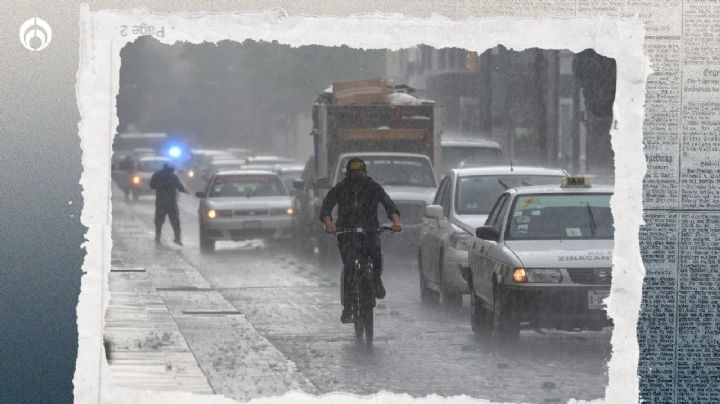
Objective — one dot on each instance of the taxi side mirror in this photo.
(200, 194)
(487, 233)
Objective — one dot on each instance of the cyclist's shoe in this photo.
(346, 316)
(379, 288)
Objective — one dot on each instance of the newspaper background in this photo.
(677, 332)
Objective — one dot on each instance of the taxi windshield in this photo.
(476, 195)
(579, 216)
(247, 186)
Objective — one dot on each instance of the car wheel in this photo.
(479, 320)
(506, 326)
(448, 297)
(426, 295)
(207, 245)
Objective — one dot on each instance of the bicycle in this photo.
(362, 283)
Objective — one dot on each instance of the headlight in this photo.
(212, 214)
(544, 275)
(519, 275)
(289, 211)
(461, 240)
(136, 180)
(191, 173)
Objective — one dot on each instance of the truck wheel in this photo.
(506, 326)
(427, 296)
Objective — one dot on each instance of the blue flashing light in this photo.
(175, 152)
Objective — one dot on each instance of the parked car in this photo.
(543, 258)
(462, 204)
(240, 205)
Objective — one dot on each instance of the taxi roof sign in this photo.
(575, 182)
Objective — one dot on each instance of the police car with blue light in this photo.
(543, 259)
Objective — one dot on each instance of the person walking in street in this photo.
(357, 197)
(166, 184)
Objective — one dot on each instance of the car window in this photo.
(495, 210)
(445, 198)
(500, 219)
(247, 186)
(561, 217)
(441, 189)
(476, 194)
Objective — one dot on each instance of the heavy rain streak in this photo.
(421, 221)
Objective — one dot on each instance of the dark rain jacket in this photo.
(166, 184)
(357, 199)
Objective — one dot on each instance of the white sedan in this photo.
(242, 205)
(462, 204)
(543, 258)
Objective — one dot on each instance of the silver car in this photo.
(241, 205)
(543, 258)
(144, 169)
(461, 204)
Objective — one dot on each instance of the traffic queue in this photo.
(530, 245)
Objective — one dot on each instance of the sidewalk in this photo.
(169, 329)
(144, 346)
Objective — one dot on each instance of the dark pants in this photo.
(371, 245)
(173, 213)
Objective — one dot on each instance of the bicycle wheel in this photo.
(359, 327)
(368, 325)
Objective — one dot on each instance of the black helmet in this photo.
(355, 164)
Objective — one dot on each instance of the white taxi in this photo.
(461, 205)
(241, 205)
(543, 258)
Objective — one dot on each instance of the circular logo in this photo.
(35, 34)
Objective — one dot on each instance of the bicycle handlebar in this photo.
(344, 230)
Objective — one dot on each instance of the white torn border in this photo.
(97, 87)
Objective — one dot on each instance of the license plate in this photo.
(595, 299)
(252, 224)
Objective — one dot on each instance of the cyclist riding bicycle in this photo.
(357, 197)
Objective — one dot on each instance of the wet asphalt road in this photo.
(419, 349)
